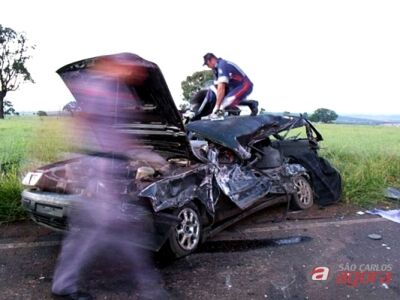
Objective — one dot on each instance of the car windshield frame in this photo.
(236, 133)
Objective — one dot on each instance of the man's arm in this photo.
(220, 94)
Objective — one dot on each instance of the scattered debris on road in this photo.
(288, 241)
(228, 282)
(392, 215)
(375, 236)
(392, 193)
(385, 285)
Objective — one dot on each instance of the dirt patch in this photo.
(24, 229)
(337, 210)
(279, 213)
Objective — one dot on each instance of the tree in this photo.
(13, 56)
(72, 107)
(323, 115)
(41, 113)
(8, 108)
(195, 83)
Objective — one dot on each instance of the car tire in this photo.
(304, 192)
(186, 236)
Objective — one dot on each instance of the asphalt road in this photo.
(256, 259)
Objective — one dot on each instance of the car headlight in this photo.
(32, 178)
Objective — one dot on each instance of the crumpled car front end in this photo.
(58, 192)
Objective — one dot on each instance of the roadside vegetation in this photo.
(26, 143)
(368, 157)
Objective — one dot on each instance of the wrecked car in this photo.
(215, 172)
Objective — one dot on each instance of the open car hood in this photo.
(140, 106)
(237, 133)
(155, 101)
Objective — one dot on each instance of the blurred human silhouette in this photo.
(97, 224)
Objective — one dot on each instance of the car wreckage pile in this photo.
(211, 173)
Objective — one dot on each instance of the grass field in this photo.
(26, 143)
(368, 157)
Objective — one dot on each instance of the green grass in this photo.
(368, 157)
(26, 143)
(10, 193)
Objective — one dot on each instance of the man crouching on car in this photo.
(233, 85)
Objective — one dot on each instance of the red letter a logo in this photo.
(320, 273)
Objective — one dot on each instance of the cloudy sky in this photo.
(300, 55)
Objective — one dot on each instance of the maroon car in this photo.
(210, 173)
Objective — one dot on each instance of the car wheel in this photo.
(186, 236)
(305, 194)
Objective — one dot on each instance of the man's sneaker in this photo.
(254, 108)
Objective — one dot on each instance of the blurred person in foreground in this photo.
(233, 85)
(97, 226)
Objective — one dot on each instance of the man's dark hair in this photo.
(207, 57)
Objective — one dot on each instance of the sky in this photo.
(342, 55)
